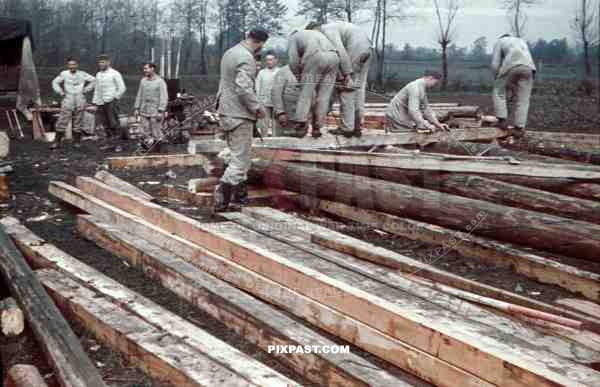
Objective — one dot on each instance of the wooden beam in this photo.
(200, 281)
(523, 262)
(156, 161)
(590, 308)
(367, 140)
(151, 348)
(538, 230)
(113, 181)
(66, 356)
(294, 233)
(441, 163)
(241, 312)
(24, 375)
(257, 197)
(206, 184)
(367, 251)
(463, 343)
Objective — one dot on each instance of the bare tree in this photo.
(516, 14)
(321, 10)
(446, 11)
(583, 24)
(351, 7)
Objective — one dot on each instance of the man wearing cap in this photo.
(239, 108)
(71, 84)
(513, 68)
(314, 60)
(354, 48)
(409, 110)
(109, 89)
(151, 105)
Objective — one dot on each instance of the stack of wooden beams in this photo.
(262, 265)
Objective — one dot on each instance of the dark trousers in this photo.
(110, 117)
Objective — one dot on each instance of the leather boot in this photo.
(518, 132)
(239, 194)
(301, 129)
(502, 123)
(341, 132)
(357, 132)
(316, 132)
(222, 196)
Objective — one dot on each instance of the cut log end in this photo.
(24, 375)
(12, 320)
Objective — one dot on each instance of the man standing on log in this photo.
(239, 108)
(285, 95)
(264, 84)
(151, 105)
(71, 84)
(354, 48)
(410, 110)
(109, 89)
(314, 60)
(513, 69)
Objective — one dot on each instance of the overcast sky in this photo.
(548, 20)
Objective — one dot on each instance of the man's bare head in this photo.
(270, 61)
(72, 64)
(103, 62)
(432, 78)
(149, 70)
(256, 38)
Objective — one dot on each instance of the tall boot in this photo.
(316, 132)
(239, 194)
(341, 132)
(222, 196)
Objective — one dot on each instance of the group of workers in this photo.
(72, 84)
(291, 99)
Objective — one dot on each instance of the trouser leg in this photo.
(156, 126)
(524, 85)
(77, 119)
(347, 110)
(499, 97)
(360, 95)
(64, 118)
(325, 87)
(239, 142)
(145, 125)
(305, 101)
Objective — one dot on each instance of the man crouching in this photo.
(239, 109)
(151, 105)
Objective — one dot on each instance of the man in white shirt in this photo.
(71, 84)
(264, 85)
(513, 68)
(109, 89)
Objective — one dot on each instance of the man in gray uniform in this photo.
(239, 109)
(314, 60)
(284, 96)
(354, 48)
(410, 110)
(264, 84)
(72, 84)
(513, 69)
(151, 105)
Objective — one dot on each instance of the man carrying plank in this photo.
(410, 110)
(513, 69)
(239, 109)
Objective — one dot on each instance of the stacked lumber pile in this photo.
(260, 266)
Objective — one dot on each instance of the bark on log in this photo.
(65, 354)
(542, 231)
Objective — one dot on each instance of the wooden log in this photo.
(200, 282)
(294, 234)
(112, 180)
(542, 231)
(208, 293)
(206, 184)
(12, 320)
(583, 306)
(71, 365)
(465, 344)
(526, 263)
(151, 348)
(24, 375)
(442, 163)
(156, 161)
(367, 140)
(367, 251)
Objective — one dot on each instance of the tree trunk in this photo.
(586, 57)
(538, 230)
(444, 65)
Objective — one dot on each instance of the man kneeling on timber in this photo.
(514, 69)
(410, 110)
(151, 105)
(239, 109)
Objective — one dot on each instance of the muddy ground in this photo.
(35, 165)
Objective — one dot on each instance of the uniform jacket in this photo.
(286, 92)
(264, 84)
(236, 97)
(109, 86)
(410, 106)
(152, 96)
(351, 42)
(303, 44)
(510, 52)
(73, 86)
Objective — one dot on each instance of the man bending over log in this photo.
(410, 110)
(239, 109)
